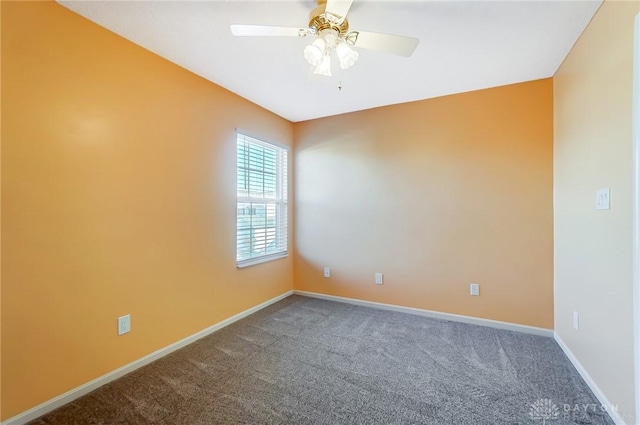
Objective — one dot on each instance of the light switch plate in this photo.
(603, 199)
(378, 278)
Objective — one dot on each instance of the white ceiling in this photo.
(464, 46)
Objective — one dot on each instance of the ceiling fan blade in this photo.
(338, 8)
(389, 43)
(264, 30)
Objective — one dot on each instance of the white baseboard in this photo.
(615, 416)
(435, 314)
(77, 392)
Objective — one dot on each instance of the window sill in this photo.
(260, 260)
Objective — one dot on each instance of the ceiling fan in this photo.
(328, 22)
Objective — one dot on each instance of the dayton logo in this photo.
(544, 409)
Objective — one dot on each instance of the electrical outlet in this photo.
(475, 289)
(378, 278)
(327, 272)
(576, 321)
(124, 324)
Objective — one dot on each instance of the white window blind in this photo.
(261, 229)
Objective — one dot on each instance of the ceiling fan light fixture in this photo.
(325, 66)
(328, 23)
(346, 55)
(314, 52)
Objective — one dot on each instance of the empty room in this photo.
(320, 212)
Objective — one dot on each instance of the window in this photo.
(261, 227)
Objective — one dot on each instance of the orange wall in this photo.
(118, 197)
(435, 194)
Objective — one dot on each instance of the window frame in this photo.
(280, 201)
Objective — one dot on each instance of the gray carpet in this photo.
(309, 361)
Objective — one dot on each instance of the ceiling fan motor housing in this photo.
(319, 20)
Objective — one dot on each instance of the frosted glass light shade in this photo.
(314, 52)
(325, 66)
(346, 55)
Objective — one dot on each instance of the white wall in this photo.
(593, 249)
